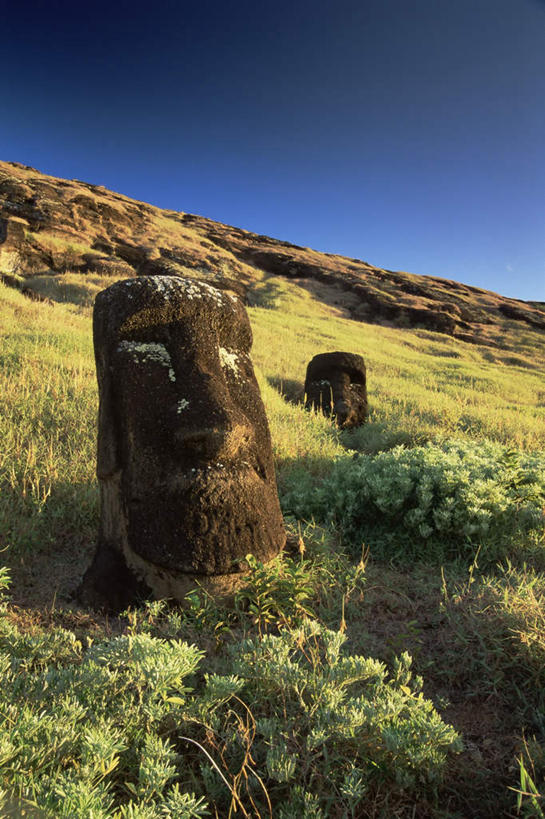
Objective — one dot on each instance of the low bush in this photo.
(329, 726)
(128, 727)
(436, 502)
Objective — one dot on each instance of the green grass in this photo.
(312, 702)
(47, 435)
(71, 288)
(421, 384)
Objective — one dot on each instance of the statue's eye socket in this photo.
(147, 354)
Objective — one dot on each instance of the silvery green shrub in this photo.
(129, 728)
(329, 725)
(432, 502)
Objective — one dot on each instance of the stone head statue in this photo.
(184, 453)
(335, 384)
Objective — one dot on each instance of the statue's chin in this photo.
(207, 525)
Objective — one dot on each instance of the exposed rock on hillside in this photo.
(50, 226)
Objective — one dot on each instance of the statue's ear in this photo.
(107, 448)
(104, 332)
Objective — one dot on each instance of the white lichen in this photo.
(216, 466)
(192, 289)
(229, 360)
(183, 403)
(144, 351)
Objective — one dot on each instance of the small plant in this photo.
(325, 727)
(530, 796)
(81, 729)
(277, 593)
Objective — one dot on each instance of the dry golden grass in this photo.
(77, 218)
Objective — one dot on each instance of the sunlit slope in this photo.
(47, 425)
(422, 386)
(59, 234)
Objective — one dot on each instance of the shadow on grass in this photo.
(377, 436)
(478, 642)
(265, 294)
(47, 545)
(52, 286)
(290, 389)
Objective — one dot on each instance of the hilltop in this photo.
(50, 227)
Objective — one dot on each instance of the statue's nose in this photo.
(209, 425)
(215, 443)
(342, 411)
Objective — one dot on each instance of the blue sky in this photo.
(408, 133)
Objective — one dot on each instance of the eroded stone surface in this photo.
(336, 385)
(184, 455)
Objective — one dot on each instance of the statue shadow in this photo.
(51, 545)
(290, 389)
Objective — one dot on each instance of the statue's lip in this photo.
(218, 467)
(200, 477)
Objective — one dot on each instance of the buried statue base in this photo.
(110, 585)
(185, 468)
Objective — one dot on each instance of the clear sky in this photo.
(408, 133)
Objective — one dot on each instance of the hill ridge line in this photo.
(49, 226)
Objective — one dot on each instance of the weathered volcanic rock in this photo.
(12, 232)
(65, 220)
(184, 453)
(336, 385)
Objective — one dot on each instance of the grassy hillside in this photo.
(52, 228)
(421, 533)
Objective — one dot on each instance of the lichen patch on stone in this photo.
(229, 360)
(192, 288)
(183, 403)
(143, 351)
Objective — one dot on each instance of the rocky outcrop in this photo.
(69, 225)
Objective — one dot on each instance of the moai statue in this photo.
(335, 384)
(185, 468)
